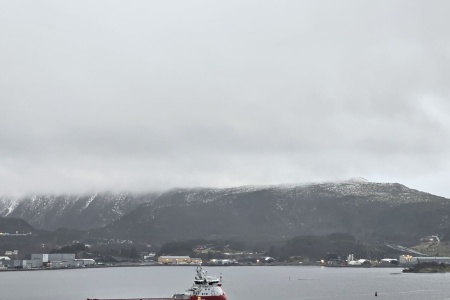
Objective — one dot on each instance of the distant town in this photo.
(123, 252)
(15, 234)
(46, 261)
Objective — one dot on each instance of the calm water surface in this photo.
(240, 283)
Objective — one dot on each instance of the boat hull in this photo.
(221, 297)
(204, 288)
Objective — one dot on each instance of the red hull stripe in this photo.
(221, 297)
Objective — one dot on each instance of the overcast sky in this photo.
(144, 95)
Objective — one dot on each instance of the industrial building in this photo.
(53, 260)
(408, 260)
(179, 260)
(84, 262)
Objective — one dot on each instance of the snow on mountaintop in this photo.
(354, 206)
(72, 211)
(392, 193)
(96, 210)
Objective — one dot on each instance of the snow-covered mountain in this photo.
(359, 207)
(392, 194)
(72, 211)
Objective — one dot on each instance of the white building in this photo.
(359, 262)
(38, 260)
(84, 262)
(22, 264)
(14, 252)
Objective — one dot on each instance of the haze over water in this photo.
(240, 283)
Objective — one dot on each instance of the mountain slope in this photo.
(384, 211)
(13, 225)
(366, 209)
(71, 211)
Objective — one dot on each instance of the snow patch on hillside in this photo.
(7, 206)
(89, 201)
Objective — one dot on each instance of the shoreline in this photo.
(122, 265)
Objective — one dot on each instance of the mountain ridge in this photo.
(271, 212)
(275, 212)
(84, 211)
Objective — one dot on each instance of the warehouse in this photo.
(179, 260)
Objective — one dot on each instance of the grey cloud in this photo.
(150, 94)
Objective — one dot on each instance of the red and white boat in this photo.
(204, 288)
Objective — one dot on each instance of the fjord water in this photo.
(240, 283)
